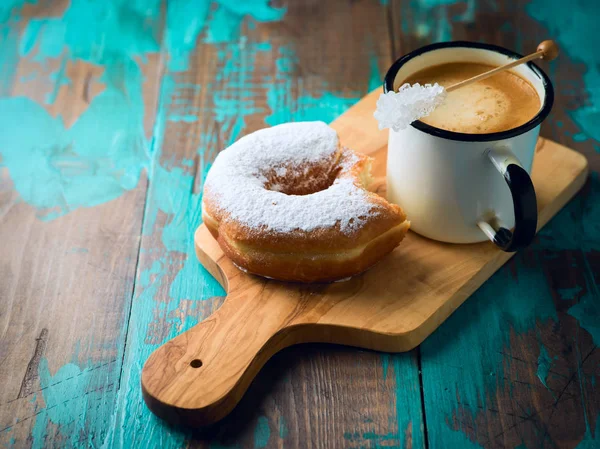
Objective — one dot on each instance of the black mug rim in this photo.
(388, 85)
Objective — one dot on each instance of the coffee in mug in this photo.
(503, 101)
(462, 173)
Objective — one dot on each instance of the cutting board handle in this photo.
(199, 376)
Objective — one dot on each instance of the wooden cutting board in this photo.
(198, 377)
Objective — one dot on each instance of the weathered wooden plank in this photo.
(251, 68)
(270, 73)
(516, 364)
(75, 118)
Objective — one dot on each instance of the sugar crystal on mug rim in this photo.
(397, 110)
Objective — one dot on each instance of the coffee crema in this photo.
(499, 103)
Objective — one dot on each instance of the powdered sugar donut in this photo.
(288, 203)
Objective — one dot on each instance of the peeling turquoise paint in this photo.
(103, 153)
(576, 228)
(407, 398)
(577, 225)
(121, 26)
(376, 436)
(463, 362)
(130, 416)
(39, 429)
(456, 439)
(9, 42)
(429, 18)
(186, 118)
(58, 170)
(544, 363)
(590, 440)
(181, 208)
(409, 430)
(59, 79)
(283, 428)
(50, 46)
(30, 36)
(224, 26)
(587, 313)
(171, 199)
(11, 8)
(568, 294)
(124, 35)
(262, 433)
(385, 365)
(435, 3)
(68, 395)
(114, 121)
(236, 75)
(187, 162)
(187, 19)
(284, 108)
(31, 76)
(226, 21)
(351, 436)
(326, 107)
(172, 192)
(375, 77)
(146, 275)
(576, 34)
(511, 303)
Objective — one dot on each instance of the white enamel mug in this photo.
(466, 188)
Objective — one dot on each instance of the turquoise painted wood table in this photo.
(112, 112)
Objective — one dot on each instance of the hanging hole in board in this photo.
(196, 363)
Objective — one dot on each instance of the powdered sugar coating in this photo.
(240, 174)
(397, 110)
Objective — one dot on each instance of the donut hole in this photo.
(303, 181)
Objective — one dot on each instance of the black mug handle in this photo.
(524, 203)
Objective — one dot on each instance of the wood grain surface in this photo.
(118, 109)
(67, 271)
